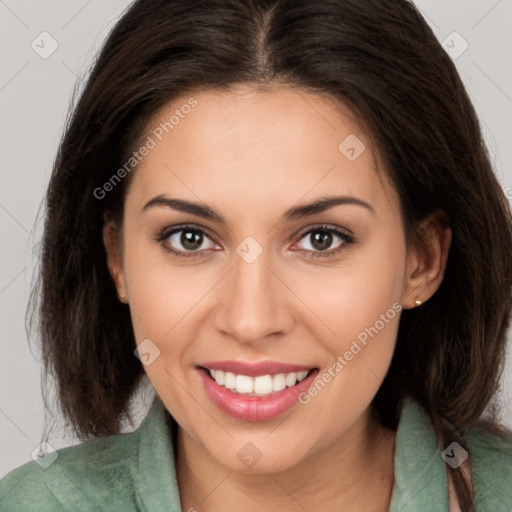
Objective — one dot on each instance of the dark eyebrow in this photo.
(297, 212)
(322, 204)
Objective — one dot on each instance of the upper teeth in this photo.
(257, 386)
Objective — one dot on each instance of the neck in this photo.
(355, 473)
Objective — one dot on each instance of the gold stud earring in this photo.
(418, 302)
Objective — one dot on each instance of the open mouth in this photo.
(262, 385)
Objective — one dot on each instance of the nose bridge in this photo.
(253, 305)
(251, 280)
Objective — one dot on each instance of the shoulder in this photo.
(491, 464)
(82, 477)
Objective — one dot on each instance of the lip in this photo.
(255, 408)
(255, 369)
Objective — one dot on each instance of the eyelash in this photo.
(347, 241)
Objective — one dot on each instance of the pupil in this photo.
(322, 240)
(191, 240)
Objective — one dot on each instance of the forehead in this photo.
(249, 146)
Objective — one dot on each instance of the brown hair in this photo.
(382, 61)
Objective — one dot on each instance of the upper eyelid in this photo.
(167, 232)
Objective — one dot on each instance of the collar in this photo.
(419, 468)
(155, 477)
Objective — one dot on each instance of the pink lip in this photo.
(254, 408)
(255, 369)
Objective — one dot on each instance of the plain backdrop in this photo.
(35, 92)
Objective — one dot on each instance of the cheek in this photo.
(164, 296)
(152, 288)
(352, 297)
(161, 299)
(369, 320)
(361, 305)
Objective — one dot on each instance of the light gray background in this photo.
(34, 99)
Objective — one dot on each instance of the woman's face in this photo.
(318, 288)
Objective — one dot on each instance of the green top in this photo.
(136, 471)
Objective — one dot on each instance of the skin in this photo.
(250, 156)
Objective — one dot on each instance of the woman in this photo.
(286, 208)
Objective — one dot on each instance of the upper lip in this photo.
(255, 369)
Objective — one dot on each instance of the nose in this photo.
(254, 304)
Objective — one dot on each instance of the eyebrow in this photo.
(297, 212)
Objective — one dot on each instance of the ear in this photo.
(112, 241)
(426, 260)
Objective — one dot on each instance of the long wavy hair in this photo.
(381, 61)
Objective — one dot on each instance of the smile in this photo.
(271, 390)
(257, 386)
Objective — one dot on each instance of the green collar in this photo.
(155, 477)
(420, 475)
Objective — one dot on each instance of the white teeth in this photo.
(262, 385)
(244, 384)
(257, 386)
(279, 382)
(219, 377)
(291, 379)
(229, 379)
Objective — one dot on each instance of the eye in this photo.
(321, 238)
(191, 241)
(185, 239)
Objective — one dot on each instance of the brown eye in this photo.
(321, 239)
(191, 240)
(186, 241)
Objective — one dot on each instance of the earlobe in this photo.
(426, 262)
(114, 260)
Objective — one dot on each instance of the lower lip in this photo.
(254, 408)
